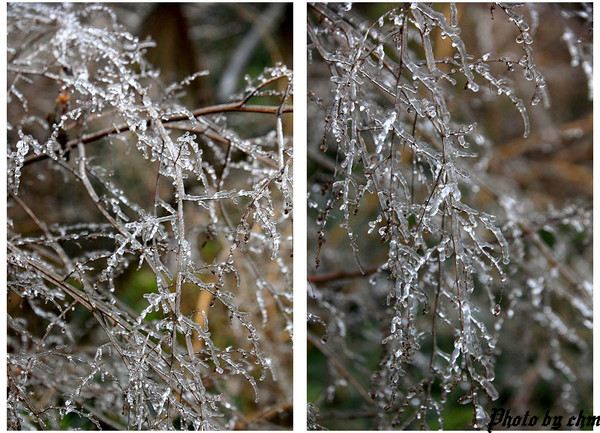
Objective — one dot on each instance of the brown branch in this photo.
(232, 107)
(341, 275)
(269, 415)
(206, 131)
(536, 142)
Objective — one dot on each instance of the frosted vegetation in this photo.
(444, 274)
(82, 224)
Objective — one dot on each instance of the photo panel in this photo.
(449, 216)
(149, 250)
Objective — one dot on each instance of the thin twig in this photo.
(341, 275)
(343, 371)
(124, 127)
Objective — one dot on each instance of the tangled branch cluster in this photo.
(76, 344)
(400, 167)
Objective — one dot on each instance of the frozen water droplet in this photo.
(497, 310)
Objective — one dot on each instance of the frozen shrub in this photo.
(114, 183)
(447, 274)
